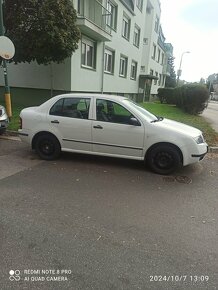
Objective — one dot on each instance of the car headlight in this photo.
(199, 139)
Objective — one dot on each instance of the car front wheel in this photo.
(47, 147)
(163, 159)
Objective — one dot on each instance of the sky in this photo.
(192, 25)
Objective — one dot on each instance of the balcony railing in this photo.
(95, 12)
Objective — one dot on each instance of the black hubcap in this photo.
(163, 160)
(47, 147)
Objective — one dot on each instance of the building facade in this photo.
(121, 51)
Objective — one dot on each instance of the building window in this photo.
(126, 27)
(155, 81)
(133, 70)
(80, 7)
(159, 81)
(145, 41)
(158, 55)
(156, 26)
(112, 17)
(88, 53)
(136, 37)
(162, 60)
(154, 51)
(109, 61)
(151, 72)
(123, 66)
(142, 68)
(139, 4)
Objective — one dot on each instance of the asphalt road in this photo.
(105, 223)
(211, 114)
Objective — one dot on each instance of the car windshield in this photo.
(149, 116)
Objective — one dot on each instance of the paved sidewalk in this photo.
(211, 114)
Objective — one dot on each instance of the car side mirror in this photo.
(133, 121)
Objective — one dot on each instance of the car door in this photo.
(69, 120)
(112, 132)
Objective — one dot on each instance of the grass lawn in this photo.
(174, 113)
(14, 122)
(164, 110)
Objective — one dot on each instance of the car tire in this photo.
(2, 131)
(47, 147)
(163, 159)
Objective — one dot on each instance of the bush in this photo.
(192, 98)
(166, 95)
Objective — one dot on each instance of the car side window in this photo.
(113, 112)
(57, 108)
(71, 107)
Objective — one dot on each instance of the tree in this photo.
(202, 81)
(211, 80)
(171, 79)
(41, 30)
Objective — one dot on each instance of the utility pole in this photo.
(179, 72)
(4, 64)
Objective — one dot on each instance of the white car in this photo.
(4, 121)
(110, 126)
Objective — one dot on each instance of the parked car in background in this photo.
(4, 121)
(110, 126)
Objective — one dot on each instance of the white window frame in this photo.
(133, 72)
(112, 17)
(136, 35)
(154, 50)
(162, 58)
(88, 43)
(126, 27)
(139, 4)
(108, 61)
(160, 79)
(123, 66)
(158, 55)
(155, 81)
(157, 23)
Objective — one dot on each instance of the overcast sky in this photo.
(192, 25)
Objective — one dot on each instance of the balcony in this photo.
(92, 20)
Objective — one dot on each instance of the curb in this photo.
(211, 149)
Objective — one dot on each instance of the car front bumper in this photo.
(4, 124)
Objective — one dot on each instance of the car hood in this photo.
(178, 127)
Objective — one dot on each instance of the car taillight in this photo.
(21, 123)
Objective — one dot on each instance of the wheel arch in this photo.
(164, 143)
(40, 134)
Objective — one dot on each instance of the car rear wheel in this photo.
(2, 131)
(47, 147)
(163, 159)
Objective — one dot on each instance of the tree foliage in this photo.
(41, 30)
(171, 79)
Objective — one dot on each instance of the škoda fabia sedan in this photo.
(110, 125)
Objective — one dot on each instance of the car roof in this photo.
(92, 95)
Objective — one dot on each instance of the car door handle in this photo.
(55, 121)
(98, 127)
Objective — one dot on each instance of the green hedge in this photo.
(191, 98)
(166, 95)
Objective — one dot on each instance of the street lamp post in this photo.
(179, 72)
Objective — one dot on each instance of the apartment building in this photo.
(121, 51)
